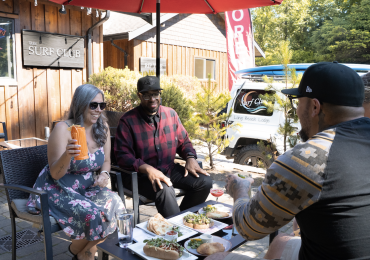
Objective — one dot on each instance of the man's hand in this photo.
(238, 187)
(192, 166)
(155, 177)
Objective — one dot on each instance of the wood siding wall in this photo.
(42, 96)
(180, 60)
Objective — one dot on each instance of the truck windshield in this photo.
(249, 102)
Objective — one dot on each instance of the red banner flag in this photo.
(239, 42)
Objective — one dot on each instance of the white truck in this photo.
(256, 123)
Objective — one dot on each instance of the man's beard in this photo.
(304, 135)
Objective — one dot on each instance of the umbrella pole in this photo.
(158, 25)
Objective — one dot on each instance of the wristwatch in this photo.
(190, 155)
(106, 173)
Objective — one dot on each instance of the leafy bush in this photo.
(173, 97)
(119, 86)
(189, 86)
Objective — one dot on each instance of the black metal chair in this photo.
(20, 169)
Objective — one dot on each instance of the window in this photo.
(249, 102)
(203, 67)
(7, 50)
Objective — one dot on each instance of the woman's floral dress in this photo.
(83, 211)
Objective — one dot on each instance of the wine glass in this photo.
(217, 192)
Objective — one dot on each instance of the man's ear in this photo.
(316, 106)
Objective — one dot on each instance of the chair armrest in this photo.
(117, 171)
(117, 168)
(43, 201)
(23, 188)
(117, 177)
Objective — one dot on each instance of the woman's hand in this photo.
(101, 180)
(72, 148)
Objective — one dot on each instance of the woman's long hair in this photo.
(80, 102)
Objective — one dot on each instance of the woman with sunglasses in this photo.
(80, 202)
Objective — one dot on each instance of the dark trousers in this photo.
(197, 190)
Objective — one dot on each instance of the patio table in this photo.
(110, 246)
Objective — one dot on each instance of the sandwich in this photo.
(197, 221)
(212, 212)
(217, 214)
(210, 248)
(163, 249)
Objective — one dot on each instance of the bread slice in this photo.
(210, 248)
(217, 214)
(158, 225)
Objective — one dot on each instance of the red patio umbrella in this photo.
(169, 6)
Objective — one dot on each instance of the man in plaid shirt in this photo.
(147, 140)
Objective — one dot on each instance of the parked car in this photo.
(256, 123)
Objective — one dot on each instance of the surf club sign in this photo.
(42, 49)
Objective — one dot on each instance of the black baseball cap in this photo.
(332, 83)
(148, 83)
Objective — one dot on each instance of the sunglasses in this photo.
(94, 105)
(293, 101)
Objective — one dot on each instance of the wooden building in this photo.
(33, 96)
(191, 44)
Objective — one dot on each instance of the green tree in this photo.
(206, 121)
(279, 102)
(318, 30)
(345, 38)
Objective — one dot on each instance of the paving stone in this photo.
(35, 256)
(6, 214)
(260, 244)
(61, 248)
(3, 233)
(6, 256)
(4, 210)
(5, 222)
(247, 251)
(7, 229)
(24, 224)
(61, 257)
(30, 249)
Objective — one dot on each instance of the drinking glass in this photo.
(217, 193)
(125, 227)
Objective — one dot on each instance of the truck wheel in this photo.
(251, 155)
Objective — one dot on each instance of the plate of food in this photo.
(198, 222)
(159, 226)
(217, 211)
(160, 248)
(200, 247)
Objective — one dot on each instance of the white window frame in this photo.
(9, 80)
(205, 68)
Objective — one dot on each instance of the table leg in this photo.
(102, 255)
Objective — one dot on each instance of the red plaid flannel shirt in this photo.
(136, 144)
